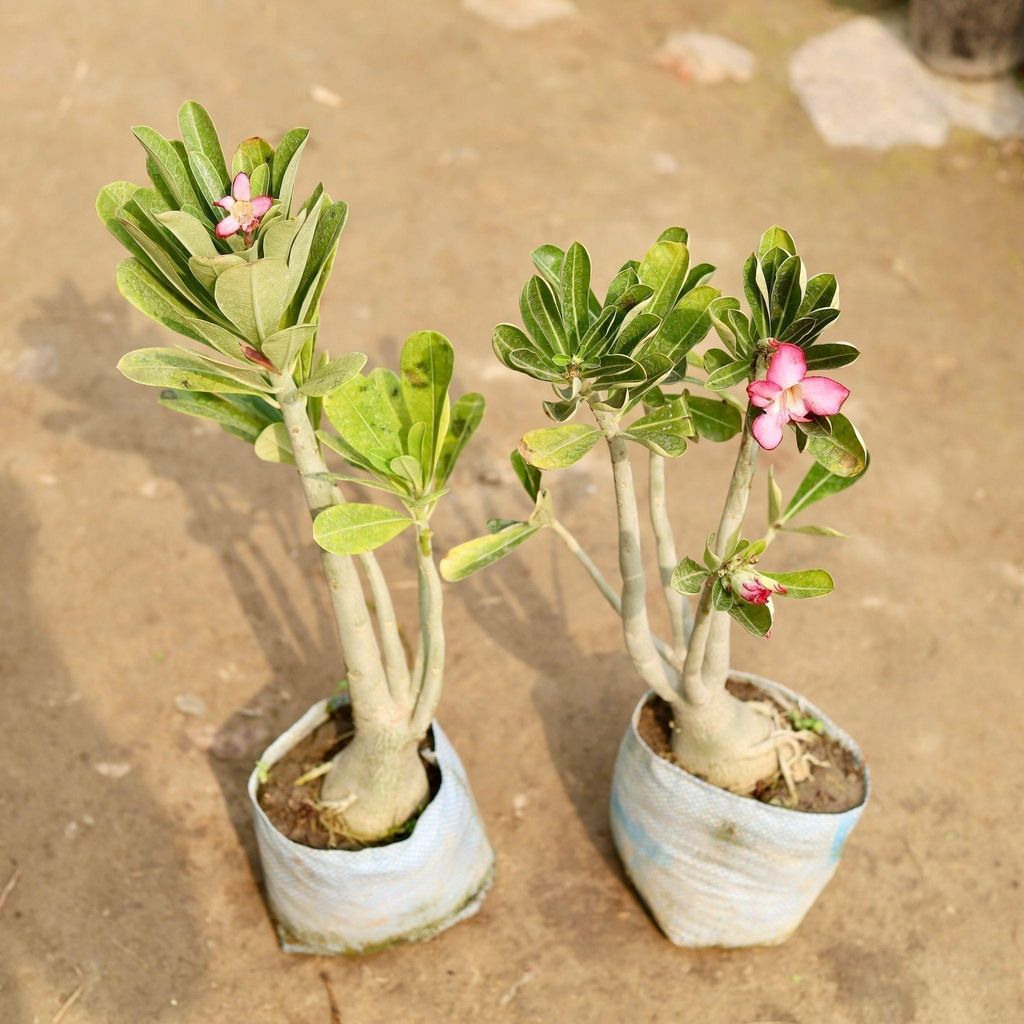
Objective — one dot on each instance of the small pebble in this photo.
(705, 58)
(189, 704)
(321, 94)
(112, 769)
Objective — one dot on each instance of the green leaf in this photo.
(171, 172)
(428, 361)
(529, 476)
(467, 413)
(684, 327)
(776, 238)
(366, 417)
(285, 169)
(172, 368)
(757, 299)
(674, 234)
(532, 363)
(274, 444)
(698, 275)
(283, 347)
(191, 232)
(112, 197)
(815, 531)
(716, 420)
(548, 261)
(506, 339)
(787, 293)
(774, 497)
(754, 618)
(319, 263)
(822, 290)
(806, 328)
(558, 447)
(213, 407)
(807, 583)
(729, 375)
(211, 184)
(200, 137)
(541, 317)
(711, 560)
(250, 154)
(842, 452)
(831, 355)
(355, 528)
(151, 297)
(465, 559)
(638, 328)
(333, 374)
(688, 577)
(253, 297)
(663, 268)
(665, 430)
(817, 484)
(575, 294)
(721, 598)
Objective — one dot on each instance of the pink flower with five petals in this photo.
(752, 587)
(244, 212)
(788, 395)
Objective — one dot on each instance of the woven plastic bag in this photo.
(355, 901)
(714, 868)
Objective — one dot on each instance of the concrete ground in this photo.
(145, 556)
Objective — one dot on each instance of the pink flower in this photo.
(787, 395)
(752, 587)
(244, 212)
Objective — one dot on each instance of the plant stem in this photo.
(368, 685)
(429, 686)
(707, 663)
(636, 626)
(678, 607)
(603, 585)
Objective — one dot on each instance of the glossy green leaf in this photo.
(428, 361)
(465, 559)
(774, 497)
(729, 375)
(319, 262)
(333, 374)
(717, 310)
(822, 291)
(535, 365)
(541, 317)
(171, 172)
(688, 577)
(842, 452)
(558, 447)
(548, 261)
(172, 368)
(776, 238)
(697, 276)
(355, 528)
(787, 293)
(684, 327)
(830, 355)
(663, 268)
(506, 339)
(721, 597)
(819, 483)
(757, 297)
(806, 583)
(665, 429)
(529, 476)
(274, 444)
(713, 419)
(467, 413)
(806, 328)
(754, 618)
(638, 328)
(575, 294)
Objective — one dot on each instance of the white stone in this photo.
(861, 85)
(321, 94)
(519, 15)
(709, 59)
(113, 769)
(189, 704)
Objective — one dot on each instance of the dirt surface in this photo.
(836, 785)
(145, 556)
(294, 810)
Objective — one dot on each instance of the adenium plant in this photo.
(632, 361)
(233, 262)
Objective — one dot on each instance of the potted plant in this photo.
(732, 795)
(367, 829)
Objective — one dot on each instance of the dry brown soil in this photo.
(144, 556)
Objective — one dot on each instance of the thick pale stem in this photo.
(707, 662)
(371, 699)
(636, 627)
(429, 693)
(395, 663)
(678, 606)
(603, 585)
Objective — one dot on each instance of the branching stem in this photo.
(678, 607)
